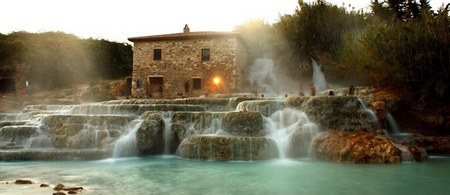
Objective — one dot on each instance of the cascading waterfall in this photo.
(40, 138)
(167, 116)
(126, 145)
(281, 126)
(372, 116)
(318, 77)
(261, 73)
(393, 126)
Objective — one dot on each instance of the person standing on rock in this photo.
(312, 89)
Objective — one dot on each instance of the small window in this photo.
(157, 54)
(205, 54)
(197, 83)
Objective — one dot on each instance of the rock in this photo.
(44, 185)
(380, 110)
(337, 112)
(58, 187)
(437, 145)
(265, 107)
(17, 134)
(243, 123)
(72, 192)
(355, 147)
(149, 135)
(23, 181)
(59, 193)
(69, 131)
(225, 148)
(73, 188)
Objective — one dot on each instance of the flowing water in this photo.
(163, 175)
(318, 77)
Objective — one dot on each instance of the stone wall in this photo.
(181, 62)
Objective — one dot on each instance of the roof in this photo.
(187, 35)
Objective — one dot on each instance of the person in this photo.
(312, 89)
(186, 87)
(351, 90)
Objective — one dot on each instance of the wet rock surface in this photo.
(226, 148)
(243, 123)
(337, 112)
(361, 147)
(149, 135)
(23, 181)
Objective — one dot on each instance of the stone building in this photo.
(188, 64)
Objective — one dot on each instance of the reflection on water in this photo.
(171, 175)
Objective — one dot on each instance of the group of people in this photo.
(312, 91)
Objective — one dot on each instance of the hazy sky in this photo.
(116, 20)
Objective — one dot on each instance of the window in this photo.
(157, 54)
(197, 83)
(205, 54)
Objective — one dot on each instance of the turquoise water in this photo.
(170, 175)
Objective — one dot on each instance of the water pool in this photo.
(171, 175)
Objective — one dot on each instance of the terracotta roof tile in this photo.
(187, 35)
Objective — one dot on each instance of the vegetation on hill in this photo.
(54, 60)
(399, 44)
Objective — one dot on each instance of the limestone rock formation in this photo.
(243, 123)
(361, 147)
(336, 112)
(225, 148)
(149, 136)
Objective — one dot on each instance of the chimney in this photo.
(186, 29)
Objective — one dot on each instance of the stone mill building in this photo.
(188, 64)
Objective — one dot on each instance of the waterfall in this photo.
(261, 73)
(126, 145)
(167, 116)
(393, 126)
(40, 139)
(372, 116)
(284, 125)
(318, 77)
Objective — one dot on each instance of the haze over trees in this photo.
(54, 60)
(399, 44)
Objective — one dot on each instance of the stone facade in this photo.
(174, 65)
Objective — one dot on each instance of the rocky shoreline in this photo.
(27, 186)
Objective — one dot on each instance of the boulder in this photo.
(149, 136)
(58, 187)
(362, 147)
(355, 147)
(243, 123)
(23, 181)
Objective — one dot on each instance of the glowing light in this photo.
(216, 81)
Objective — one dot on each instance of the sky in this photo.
(117, 20)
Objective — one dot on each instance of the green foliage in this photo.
(54, 59)
(414, 53)
(316, 29)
